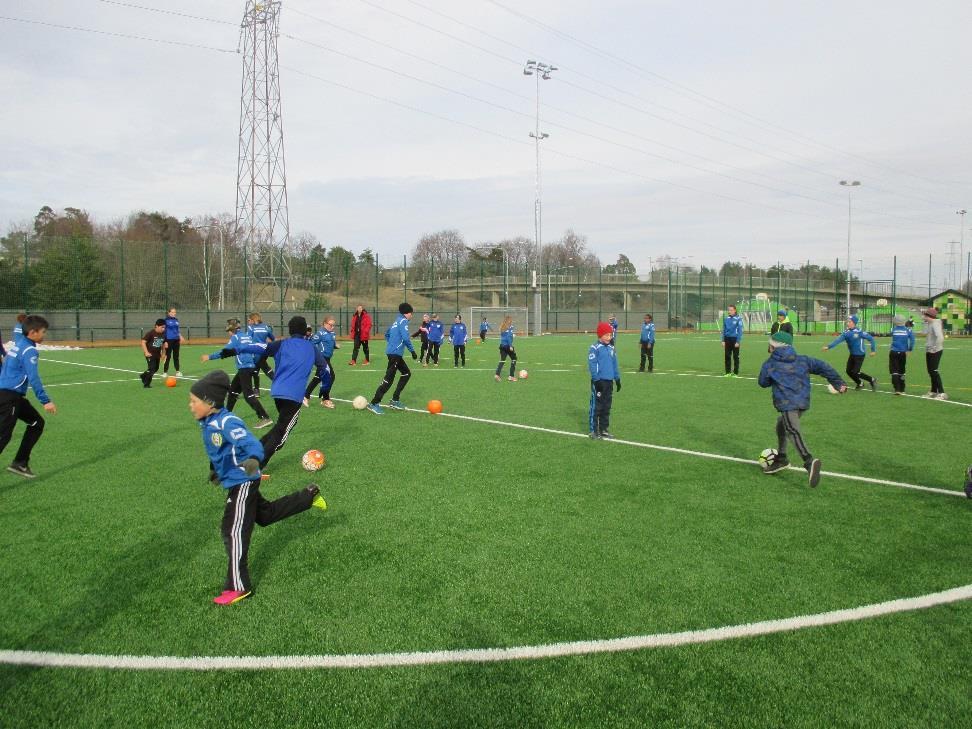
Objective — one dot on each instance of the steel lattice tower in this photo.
(262, 222)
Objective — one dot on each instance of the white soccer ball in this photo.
(523, 374)
(768, 457)
(360, 402)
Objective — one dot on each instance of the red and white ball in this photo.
(313, 461)
(523, 374)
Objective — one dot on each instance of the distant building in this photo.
(954, 309)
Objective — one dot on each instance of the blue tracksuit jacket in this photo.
(20, 369)
(436, 331)
(902, 339)
(788, 373)
(855, 341)
(398, 338)
(648, 333)
(602, 361)
(485, 326)
(506, 337)
(324, 341)
(261, 333)
(732, 326)
(171, 327)
(237, 342)
(458, 334)
(228, 443)
(293, 359)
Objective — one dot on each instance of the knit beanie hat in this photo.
(899, 320)
(604, 328)
(781, 339)
(405, 308)
(853, 318)
(781, 312)
(297, 326)
(212, 388)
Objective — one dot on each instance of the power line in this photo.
(830, 176)
(707, 99)
(167, 12)
(118, 35)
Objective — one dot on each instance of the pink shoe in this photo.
(365, 363)
(228, 597)
(511, 379)
(328, 404)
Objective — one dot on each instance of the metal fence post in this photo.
(123, 312)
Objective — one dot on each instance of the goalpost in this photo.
(494, 315)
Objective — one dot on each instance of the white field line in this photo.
(483, 655)
(90, 382)
(670, 449)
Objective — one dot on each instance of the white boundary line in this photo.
(685, 451)
(637, 444)
(482, 655)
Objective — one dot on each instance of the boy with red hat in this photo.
(602, 361)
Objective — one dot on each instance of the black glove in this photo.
(251, 466)
(414, 356)
(213, 478)
(617, 385)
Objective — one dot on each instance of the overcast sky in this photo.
(707, 130)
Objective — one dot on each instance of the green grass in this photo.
(448, 534)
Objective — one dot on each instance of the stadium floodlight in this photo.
(542, 71)
(849, 185)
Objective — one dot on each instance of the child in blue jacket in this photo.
(855, 337)
(436, 335)
(506, 348)
(602, 361)
(243, 382)
(326, 341)
(788, 373)
(458, 336)
(732, 335)
(902, 343)
(234, 456)
(484, 326)
(648, 343)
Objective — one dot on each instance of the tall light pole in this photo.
(961, 214)
(542, 71)
(849, 185)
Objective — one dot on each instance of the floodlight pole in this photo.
(542, 71)
(961, 214)
(849, 184)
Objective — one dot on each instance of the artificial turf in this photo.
(447, 533)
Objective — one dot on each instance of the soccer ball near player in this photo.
(360, 402)
(767, 458)
(313, 461)
(171, 381)
(523, 374)
(435, 406)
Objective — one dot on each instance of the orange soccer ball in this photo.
(171, 381)
(313, 461)
(435, 406)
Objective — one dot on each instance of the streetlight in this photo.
(849, 185)
(961, 213)
(542, 71)
(222, 258)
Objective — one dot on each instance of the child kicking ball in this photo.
(235, 455)
(788, 373)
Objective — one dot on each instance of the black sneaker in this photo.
(606, 435)
(21, 469)
(780, 464)
(594, 435)
(813, 471)
(874, 384)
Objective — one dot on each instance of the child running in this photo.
(261, 334)
(854, 337)
(484, 326)
(235, 454)
(648, 343)
(398, 339)
(326, 342)
(242, 383)
(507, 332)
(19, 371)
(902, 343)
(458, 336)
(294, 358)
(153, 345)
(788, 373)
(602, 361)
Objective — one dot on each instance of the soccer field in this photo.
(504, 528)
